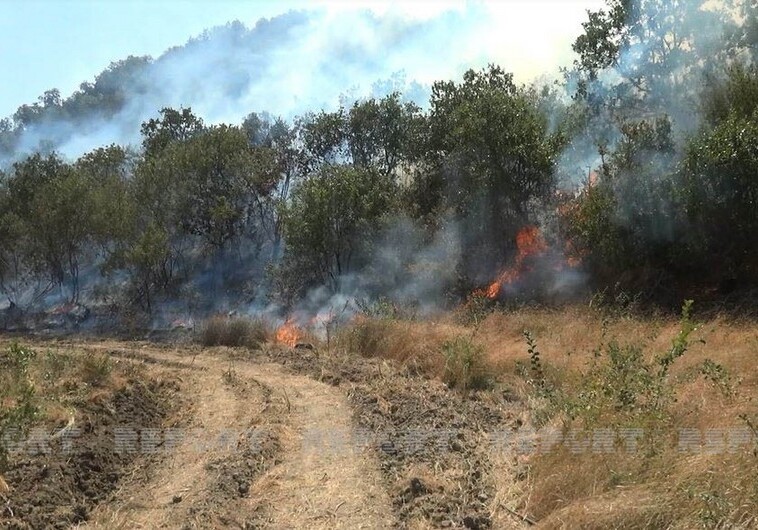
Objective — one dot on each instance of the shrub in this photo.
(464, 365)
(17, 395)
(622, 386)
(477, 307)
(96, 369)
(222, 331)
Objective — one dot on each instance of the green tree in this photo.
(172, 126)
(330, 221)
(51, 209)
(655, 49)
(720, 188)
(489, 157)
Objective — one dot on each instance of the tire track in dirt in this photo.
(317, 484)
(326, 480)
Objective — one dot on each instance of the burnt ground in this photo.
(433, 443)
(59, 486)
(430, 444)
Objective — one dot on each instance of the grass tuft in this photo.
(235, 332)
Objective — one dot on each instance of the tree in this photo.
(329, 223)
(381, 133)
(51, 208)
(641, 56)
(720, 189)
(488, 158)
(172, 126)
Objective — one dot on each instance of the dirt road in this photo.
(270, 438)
(292, 458)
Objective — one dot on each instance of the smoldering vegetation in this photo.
(634, 174)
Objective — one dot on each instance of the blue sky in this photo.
(59, 44)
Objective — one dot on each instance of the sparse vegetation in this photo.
(464, 365)
(622, 412)
(225, 331)
(17, 396)
(96, 368)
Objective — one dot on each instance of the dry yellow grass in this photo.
(666, 488)
(417, 345)
(671, 488)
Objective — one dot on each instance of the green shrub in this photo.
(464, 365)
(17, 396)
(622, 386)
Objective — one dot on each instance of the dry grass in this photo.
(235, 332)
(712, 385)
(417, 345)
(41, 386)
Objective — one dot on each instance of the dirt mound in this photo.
(59, 488)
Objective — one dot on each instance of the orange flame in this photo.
(529, 242)
(288, 333)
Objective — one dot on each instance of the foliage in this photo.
(658, 112)
(96, 369)
(464, 365)
(623, 386)
(720, 193)
(330, 221)
(17, 393)
(489, 155)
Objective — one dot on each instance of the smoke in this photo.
(301, 61)
(286, 65)
(670, 52)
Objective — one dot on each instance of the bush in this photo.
(377, 337)
(464, 365)
(414, 345)
(222, 331)
(622, 386)
(17, 395)
(96, 369)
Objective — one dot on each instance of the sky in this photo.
(60, 43)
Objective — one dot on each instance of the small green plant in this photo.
(54, 364)
(20, 358)
(719, 376)
(681, 342)
(17, 396)
(534, 359)
(464, 365)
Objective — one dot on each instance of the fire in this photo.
(529, 242)
(288, 333)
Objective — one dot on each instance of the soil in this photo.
(60, 489)
(313, 440)
(434, 444)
